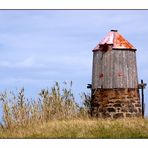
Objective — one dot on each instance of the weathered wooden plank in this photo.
(106, 69)
(128, 69)
(132, 70)
(117, 69)
(124, 70)
(96, 69)
(110, 71)
(129, 72)
(110, 74)
(103, 70)
(93, 71)
(120, 75)
(99, 68)
(114, 69)
(136, 72)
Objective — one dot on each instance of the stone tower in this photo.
(115, 90)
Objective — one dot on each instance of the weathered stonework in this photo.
(115, 103)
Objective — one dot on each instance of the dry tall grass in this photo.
(54, 104)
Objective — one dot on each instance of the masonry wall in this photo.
(116, 103)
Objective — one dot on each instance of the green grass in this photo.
(81, 128)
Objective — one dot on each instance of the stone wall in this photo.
(115, 103)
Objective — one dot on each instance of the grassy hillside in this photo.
(81, 128)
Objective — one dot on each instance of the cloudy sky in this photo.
(39, 47)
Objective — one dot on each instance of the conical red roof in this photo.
(116, 40)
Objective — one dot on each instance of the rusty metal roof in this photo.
(116, 40)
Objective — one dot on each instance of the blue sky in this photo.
(39, 47)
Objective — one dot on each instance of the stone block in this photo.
(128, 115)
(124, 109)
(137, 105)
(106, 115)
(118, 115)
(110, 109)
(117, 105)
(118, 102)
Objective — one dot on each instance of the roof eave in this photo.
(131, 49)
(134, 49)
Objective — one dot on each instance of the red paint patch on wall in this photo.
(120, 74)
(101, 75)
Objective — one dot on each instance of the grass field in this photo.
(81, 128)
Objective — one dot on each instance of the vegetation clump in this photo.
(52, 104)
